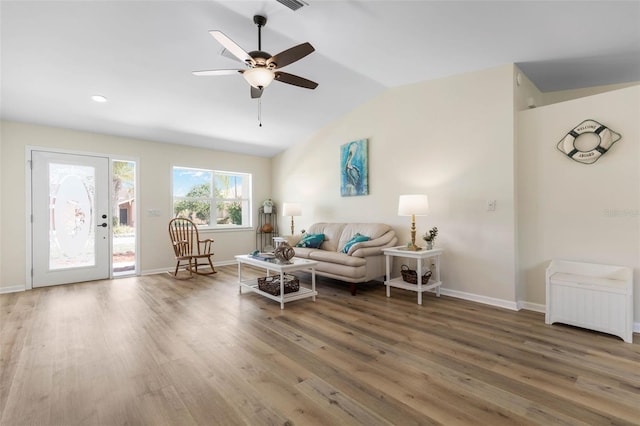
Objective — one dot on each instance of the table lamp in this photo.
(413, 205)
(291, 209)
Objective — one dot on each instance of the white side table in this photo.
(420, 256)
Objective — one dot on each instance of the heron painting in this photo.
(354, 169)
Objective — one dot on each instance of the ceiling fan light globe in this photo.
(259, 77)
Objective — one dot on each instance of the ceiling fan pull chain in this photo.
(260, 112)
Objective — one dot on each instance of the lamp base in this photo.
(412, 245)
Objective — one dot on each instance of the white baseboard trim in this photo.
(173, 267)
(535, 307)
(12, 289)
(480, 299)
(155, 271)
(225, 263)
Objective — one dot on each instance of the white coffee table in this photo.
(295, 265)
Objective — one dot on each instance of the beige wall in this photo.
(461, 140)
(574, 211)
(526, 94)
(451, 139)
(154, 170)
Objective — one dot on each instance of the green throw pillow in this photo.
(311, 240)
(356, 239)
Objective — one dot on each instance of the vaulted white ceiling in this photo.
(140, 54)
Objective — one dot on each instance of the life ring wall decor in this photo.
(607, 138)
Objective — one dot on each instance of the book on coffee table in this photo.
(263, 256)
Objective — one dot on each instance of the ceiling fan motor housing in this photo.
(260, 57)
(259, 20)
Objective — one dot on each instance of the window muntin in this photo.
(212, 198)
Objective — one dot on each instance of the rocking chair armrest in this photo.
(206, 245)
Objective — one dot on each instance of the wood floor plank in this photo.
(415, 386)
(380, 402)
(153, 350)
(564, 369)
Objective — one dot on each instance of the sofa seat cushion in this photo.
(342, 272)
(335, 257)
(303, 252)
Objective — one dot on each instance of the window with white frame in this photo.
(212, 198)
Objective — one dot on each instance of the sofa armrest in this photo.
(374, 247)
(292, 240)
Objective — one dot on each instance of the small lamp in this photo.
(291, 209)
(413, 205)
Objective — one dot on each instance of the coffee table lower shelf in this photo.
(252, 285)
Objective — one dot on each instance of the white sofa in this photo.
(363, 262)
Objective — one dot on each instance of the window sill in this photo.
(221, 229)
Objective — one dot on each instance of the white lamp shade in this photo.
(414, 204)
(259, 77)
(291, 209)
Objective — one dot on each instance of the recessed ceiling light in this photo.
(99, 98)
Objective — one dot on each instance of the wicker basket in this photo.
(411, 276)
(271, 284)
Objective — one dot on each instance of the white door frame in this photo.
(28, 207)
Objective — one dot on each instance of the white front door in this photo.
(70, 218)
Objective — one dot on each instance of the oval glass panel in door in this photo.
(71, 233)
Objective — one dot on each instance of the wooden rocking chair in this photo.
(188, 247)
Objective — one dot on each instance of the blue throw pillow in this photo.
(357, 238)
(311, 240)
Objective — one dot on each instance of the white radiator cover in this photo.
(593, 296)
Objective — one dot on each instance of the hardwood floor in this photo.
(156, 351)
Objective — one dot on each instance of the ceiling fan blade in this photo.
(225, 52)
(231, 46)
(216, 72)
(255, 92)
(289, 56)
(284, 77)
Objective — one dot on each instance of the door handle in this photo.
(104, 225)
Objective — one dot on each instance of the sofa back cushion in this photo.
(355, 240)
(371, 230)
(311, 240)
(332, 233)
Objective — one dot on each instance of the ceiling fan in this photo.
(262, 68)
